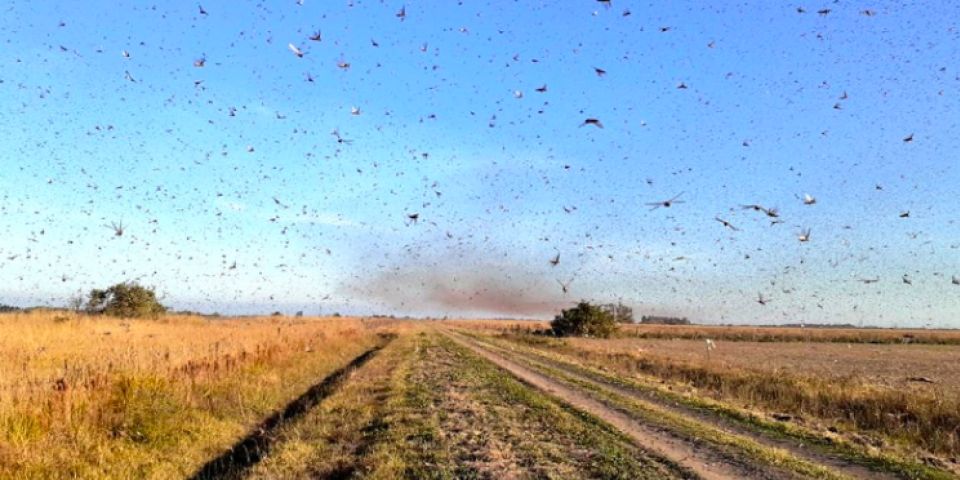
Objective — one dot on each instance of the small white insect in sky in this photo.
(809, 199)
(296, 51)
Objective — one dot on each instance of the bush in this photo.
(584, 320)
(125, 300)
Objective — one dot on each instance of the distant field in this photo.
(748, 333)
(794, 334)
(895, 366)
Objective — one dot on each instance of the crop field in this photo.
(795, 334)
(295, 397)
(923, 367)
(742, 333)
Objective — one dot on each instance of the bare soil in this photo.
(892, 366)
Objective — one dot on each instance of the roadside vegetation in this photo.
(104, 397)
(585, 320)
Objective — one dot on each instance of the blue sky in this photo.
(234, 163)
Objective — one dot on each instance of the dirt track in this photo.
(698, 459)
(251, 449)
(794, 446)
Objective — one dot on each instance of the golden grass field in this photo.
(94, 397)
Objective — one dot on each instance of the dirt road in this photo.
(698, 458)
(793, 446)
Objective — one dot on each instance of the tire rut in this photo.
(795, 448)
(696, 458)
(252, 448)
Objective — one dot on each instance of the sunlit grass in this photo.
(101, 397)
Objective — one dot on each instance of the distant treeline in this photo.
(661, 320)
(9, 308)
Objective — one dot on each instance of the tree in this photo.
(125, 300)
(584, 320)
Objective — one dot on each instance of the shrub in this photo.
(584, 320)
(125, 300)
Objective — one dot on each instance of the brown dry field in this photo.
(881, 357)
(794, 334)
(745, 333)
(888, 365)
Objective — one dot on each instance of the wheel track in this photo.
(698, 458)
(794, 447)
(252, 448)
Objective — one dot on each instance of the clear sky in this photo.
(202, 132)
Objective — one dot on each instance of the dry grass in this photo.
(337, 439)
(499, 325)
(100, 397)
